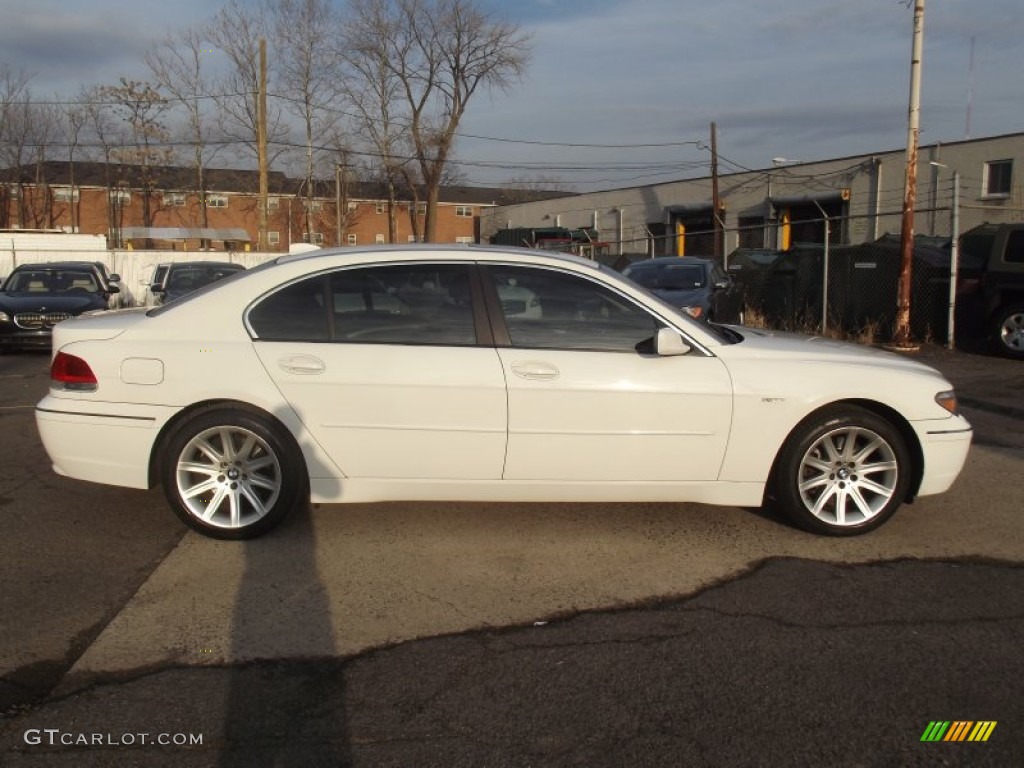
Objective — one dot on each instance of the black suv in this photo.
(183, 277)
(990, 286)
(35, 297)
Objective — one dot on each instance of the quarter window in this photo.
(546, 309)
(294, 313)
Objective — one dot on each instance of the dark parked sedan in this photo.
(35, 297)
(698, 286)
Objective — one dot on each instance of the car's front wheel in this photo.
(1009, 331)
(232, 474)
(844, 471)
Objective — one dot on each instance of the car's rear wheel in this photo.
(844, 471)
(1009, 331)
(232, 474)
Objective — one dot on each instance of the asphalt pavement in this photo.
(789, 661)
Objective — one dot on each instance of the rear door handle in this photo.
(303, 365)
(535, 371)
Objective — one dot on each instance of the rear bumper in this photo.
(945, 445)
(106, 443)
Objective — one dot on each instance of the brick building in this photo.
(159, 207)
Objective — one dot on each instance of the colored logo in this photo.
(958, 730)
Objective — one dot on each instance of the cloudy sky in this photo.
(804, 80)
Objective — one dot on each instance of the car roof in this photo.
(466, 252)
(662, 260)
(54, 265)
(232, 264)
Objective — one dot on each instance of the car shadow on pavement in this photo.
(282, 611)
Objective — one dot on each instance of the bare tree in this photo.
(522, 189)
(100, 121)
(441, 52)
(373, 91)
(72, 120)
(142, 106)
(236, 31)
(43, 132)
(308, 77)
(15, 112)
(178, 66)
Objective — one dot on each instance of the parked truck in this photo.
(991, 286)
(582, 241)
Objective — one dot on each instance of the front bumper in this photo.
(17, 337)
(945, 445)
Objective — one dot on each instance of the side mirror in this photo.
(114, 278)
(156, 288)
(668, 343)
(113, 289)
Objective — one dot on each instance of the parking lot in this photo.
(514, 633)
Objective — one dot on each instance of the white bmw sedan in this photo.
(440, 373)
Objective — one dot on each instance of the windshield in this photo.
(51, 281)
(668, 277)
(720, 332)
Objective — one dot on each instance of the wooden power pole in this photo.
(716, 201)
(901, 333)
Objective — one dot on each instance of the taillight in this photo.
(71, 373)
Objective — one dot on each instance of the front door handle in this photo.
(535, 371)
(304, 365)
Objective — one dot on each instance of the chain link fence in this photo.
(818, 285)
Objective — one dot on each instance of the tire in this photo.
(843, 471)
(232, 474)
(1008, 333)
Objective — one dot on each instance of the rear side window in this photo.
(393, 304)
(1015, 246)
(403, 304)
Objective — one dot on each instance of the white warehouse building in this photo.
(787, 203)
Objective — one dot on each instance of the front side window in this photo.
(547, 309)
(423, 304)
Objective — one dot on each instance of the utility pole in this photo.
(954, 259)
(261, 146)
(716, 202)
(901, 333)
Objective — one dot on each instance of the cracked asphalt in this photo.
(793, 663)
(520, 635)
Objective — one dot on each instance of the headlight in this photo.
(4, 317)
(948, 401)
(693, 311)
